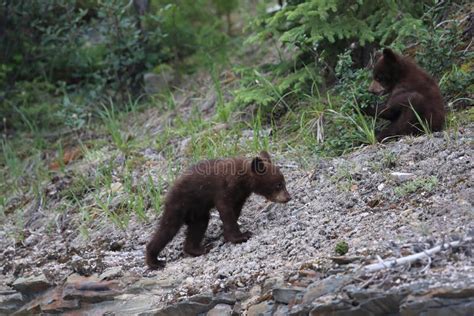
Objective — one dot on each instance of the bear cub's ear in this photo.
(265, 155)
(258, 165)
(389, 55)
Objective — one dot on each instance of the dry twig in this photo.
(411, 258)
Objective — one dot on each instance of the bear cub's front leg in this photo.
(232, 231)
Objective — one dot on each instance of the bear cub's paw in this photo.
(155, 264)
(240, 238)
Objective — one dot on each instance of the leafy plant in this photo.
(342, 247)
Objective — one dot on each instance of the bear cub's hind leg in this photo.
(166, 230)
(195, 234)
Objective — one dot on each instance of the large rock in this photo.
(261, 309)
(197, 304)
(440, 302)
(183, 309)
(91, 291)
(32, 284)
(281, 310)
(220, 310)
(286, 295)
(111, 273)
(331, 284)
(10, 301)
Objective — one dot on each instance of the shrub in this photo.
(96, 49)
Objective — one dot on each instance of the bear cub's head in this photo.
(268, 180)
(387, 72)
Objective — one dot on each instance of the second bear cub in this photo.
(222, 183)
(413, 95)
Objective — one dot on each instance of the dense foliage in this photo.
(97, 48)
(325, 47)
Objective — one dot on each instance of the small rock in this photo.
(440, 302)
(10, 303)
(262, 309)
(237, 309)
(255, 290)
(32, 285)
(183, 309)
(60, 306)
(241, 295)
(80, 265)
(220, 310)
(205, 298)
(116, 187)
(402, 176)
(155, 83)
(345, 259)
(299, 310)
(331, 284)
(281, 310)
(286, 295)
(225, 298)
(111, 273)
(89, 290)
(209, 102)
(31, 240)
(381, 186)
(308, 273)
(271, 283)
(116, 245)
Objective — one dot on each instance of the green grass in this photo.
(427, 184)
(154, 193)
(11, 161)
(223, 111)
(424, 124)
(343, 179)
(109, 117)
(389, 159)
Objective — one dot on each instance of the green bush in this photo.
(318, 32)
(90, 50)
(326, 48)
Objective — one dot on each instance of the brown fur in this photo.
(222, 183)
(408, 87)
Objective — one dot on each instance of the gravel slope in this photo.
(415, 191)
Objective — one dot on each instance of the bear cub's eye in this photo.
(279, 186)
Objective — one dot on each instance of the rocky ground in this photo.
(385, 201)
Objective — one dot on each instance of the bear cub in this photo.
(221, 183)
(409, 89)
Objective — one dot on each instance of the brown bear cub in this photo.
(222, 183)
(409, 89)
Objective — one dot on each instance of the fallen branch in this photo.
(411, 258)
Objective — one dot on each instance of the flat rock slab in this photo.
(329, 285)
(9, 302)
(220, 310)
(111, 273)
(91, 291)
(261, 309)
(32, 284)
(286, 295)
